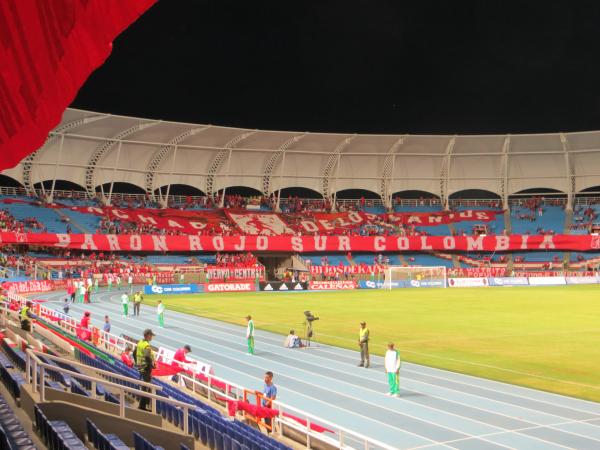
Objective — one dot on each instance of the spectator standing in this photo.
(145, 362)
(66, 306)
(392, 368)
(181, 354)
(363, 343)
(137, 302)
(130, 283)
(250, 335)
(106, 325)
(125, 304)
(269, 395)
(160, 312)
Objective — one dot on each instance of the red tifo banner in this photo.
(154, 243)
(190, 222)
(338, 222)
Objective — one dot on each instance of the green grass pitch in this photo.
(541, 337)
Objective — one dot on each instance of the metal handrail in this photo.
(33, 362)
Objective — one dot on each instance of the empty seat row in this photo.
(12, 434)
(103, 441)
(142, 444)
(12, 380)
(56, 434)
(15, 355)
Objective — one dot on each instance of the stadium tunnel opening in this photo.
(244, 191)
(120, 187)
(300, 192)
(474, 194)
(349, 194)
(539, 191)
(592, 191)
(6, 181)
(414, 194)
(179, 189)
(59, 185)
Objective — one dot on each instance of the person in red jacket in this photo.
(85, 320)
(180, 354)
(126, 357)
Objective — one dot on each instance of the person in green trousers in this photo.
(250, 335)
(125, 303)
(160, 312)
(392, 368)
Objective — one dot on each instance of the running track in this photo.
(437, 409)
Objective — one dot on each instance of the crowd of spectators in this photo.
(9, 223)
(236, 259)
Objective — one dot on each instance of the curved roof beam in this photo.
(333, 162)
(504, 170)
(274, 160)
(569, 170)
(30, 160)
(160, 155)
(388, 168)
(217, 161)
(102, 150)
(445, 171)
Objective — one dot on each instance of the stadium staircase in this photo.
(74, 224)
(79, 396)
(567, 230)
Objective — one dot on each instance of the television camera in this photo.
(308, 323)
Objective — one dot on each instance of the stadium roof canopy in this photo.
(91, 149)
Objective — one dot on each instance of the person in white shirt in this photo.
(392, 368)
(292, 340)
(130, 283)
(160, 312)
(125, 303)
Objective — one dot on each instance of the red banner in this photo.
(235, 273)
(360, 269)
(313, 244)
(229, 287)
(340, 222)
(28, 287)
(48, 50)
(259, 224)
(332, 285)
(189, 222)
(477, 272)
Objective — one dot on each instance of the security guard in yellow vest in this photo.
(25, 317)
(145, 362)
(363, 342)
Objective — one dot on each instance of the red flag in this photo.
(47, 51)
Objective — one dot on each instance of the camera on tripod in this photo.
(308, 332)
(310, 317)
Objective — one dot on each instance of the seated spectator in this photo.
(292, 340)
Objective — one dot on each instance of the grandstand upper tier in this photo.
(95, 150)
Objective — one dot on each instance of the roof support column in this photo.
(504, 169)
(445, 175)
(569, 172)
(165, 200)
(112, 182)
(281, 170)
(58, 160)
(222, 202)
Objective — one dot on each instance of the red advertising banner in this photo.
(235, 273)
(360, 269)
(477, 272)
(331, 285)
(313, 244)
(28, 287)
(229, 287)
